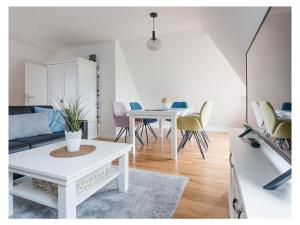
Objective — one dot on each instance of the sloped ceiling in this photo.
(54, 28)
(232, 29)
(58, 28)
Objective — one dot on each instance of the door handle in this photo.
(28, 98)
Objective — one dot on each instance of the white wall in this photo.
(125, 88)
(269, 63)
(105, 52)
(18, 54)
(188, 67)
(232, 29)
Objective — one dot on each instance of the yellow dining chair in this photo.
(192, 127)
(203, 118)
(276, 127)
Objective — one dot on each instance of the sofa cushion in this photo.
(55, 119)
(41, 140)
(15, 146)
(28, 125)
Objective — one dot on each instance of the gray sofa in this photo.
(23, 144)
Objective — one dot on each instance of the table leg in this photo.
(11, 197)
(161, 127)
(67, 201)
(132, 134)
(123, 177)
(174, 137)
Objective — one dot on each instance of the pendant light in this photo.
(154, 43)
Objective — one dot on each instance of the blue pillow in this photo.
(28, 125)
(56, 121)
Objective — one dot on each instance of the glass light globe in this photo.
(154, 44)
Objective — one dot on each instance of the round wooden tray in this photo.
(64, 153)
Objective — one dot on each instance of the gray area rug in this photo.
(150, 195)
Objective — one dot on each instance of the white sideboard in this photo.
(72, 79)
(250, 169)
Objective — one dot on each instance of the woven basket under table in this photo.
(81, 185)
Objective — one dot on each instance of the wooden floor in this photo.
(205, 195)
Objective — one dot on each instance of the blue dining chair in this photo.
(146, 121)
(177, 105)
(286, 106)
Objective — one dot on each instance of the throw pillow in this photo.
(28, 125)
(56, 121)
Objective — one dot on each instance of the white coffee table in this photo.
(37, 163)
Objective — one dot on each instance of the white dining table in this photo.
(161, 115)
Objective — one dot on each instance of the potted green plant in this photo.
(73, 113)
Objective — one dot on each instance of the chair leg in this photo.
(285, 143)
(204, 132)
(277, 141)
(204, 138)
(199, 145)
(181, 133)
(281, 143)
(126, 134)
(119, 134)
(142, 131)
(289, 142)
(152, 131)
(117, 137)
(183, 140)
(169, 131)
(146, 133)
(138, 129)
(201, 139)
(189, 133)
(188, 138)
(138, 137)
(180, 144)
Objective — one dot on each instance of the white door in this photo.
(55, 83)
(70, 80)
(35, 84)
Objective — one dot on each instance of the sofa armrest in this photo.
(84, 127)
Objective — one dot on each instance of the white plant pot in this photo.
(73, 140)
